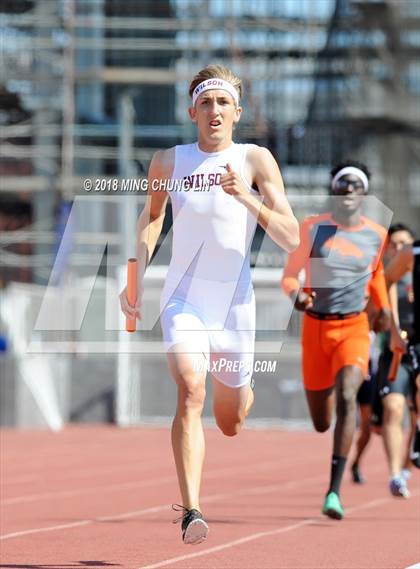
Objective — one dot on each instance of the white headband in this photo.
(215, 83)
(351, 170)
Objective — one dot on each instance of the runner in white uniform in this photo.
(208, 301)
(207, 304)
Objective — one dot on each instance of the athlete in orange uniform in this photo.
(341, 254)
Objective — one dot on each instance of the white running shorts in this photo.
(213, 318)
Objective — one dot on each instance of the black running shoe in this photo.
(356, 475)
(194, 527)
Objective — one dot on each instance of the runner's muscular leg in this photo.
(187, 430)
(348, 381)
(231, 406)
(321, 406)
(365, 430)
(392, 430)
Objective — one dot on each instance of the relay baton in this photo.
(130, 323)
(396, 360)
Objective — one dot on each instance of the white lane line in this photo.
(217, 472)
(259, 535)
(212, 498)
(50, 528)
(93, 490)
(223, 546)
(415, 566)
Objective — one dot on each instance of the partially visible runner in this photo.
(377, 387)
(408, 259)
(394, 394)
(218, 190)
(341, 254)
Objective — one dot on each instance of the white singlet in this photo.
(208, 303)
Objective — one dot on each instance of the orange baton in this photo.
(130, 323)
(396, 360)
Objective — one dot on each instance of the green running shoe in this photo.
(332, 507)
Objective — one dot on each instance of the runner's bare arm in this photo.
(149, 224)
(393, 297)
(400, 264)
(274, 214)
(396, 269)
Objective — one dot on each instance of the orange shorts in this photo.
(329, 345)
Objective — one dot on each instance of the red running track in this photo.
(99, 497)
